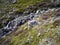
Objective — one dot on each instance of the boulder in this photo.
(31, 23)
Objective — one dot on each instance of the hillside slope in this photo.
(47, 33)
(10, 9)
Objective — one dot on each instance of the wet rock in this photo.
(45, 17)
(58, 10)
(36, 16)
(3, 36)
(52, 9)
(23, 21)
(27, 12)
(42, 11)
(31, 23)
(37, 11)
(1, 32)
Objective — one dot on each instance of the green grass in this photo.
(20, 38)
(22, 4)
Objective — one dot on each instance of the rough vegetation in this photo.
(10, 8)
(47, 33)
